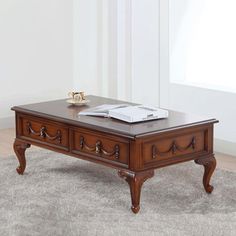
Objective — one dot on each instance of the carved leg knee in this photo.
(135, 181)
(209, 167)
(19, 148)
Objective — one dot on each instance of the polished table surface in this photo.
(61, 111)
(135, 150)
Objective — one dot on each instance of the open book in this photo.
(127, 113)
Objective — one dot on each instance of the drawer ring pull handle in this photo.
(43, 133)
(98, 149)
(173, 148)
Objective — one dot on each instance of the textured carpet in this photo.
(59, 195)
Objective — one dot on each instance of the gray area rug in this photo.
(59, 195)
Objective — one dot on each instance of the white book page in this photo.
(134, 112)
(102, 110)
(138, 113)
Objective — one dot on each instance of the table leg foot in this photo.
(19, 148)
(209, 167)
(135, 181)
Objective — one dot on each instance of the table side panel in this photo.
(44, 131)
(134, 149)
(179, 146)
(87, 144)
(106, 147)
(148, 152)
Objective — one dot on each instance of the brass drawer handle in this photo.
(43, 133)
(173, 148)
(98, 148)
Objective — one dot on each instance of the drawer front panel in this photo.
(173, 147)
(103, 146)
(44, 131)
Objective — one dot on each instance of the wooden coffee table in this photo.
(135, 150)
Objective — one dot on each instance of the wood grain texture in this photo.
(209, 167)
(224, 161)
(136, 150)
(50, 132)
(20, 148)
(60, 111)
(135, 181)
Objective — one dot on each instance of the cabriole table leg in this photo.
(209, 167)
(19, 148)
(135, 181)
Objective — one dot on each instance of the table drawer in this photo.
(171, 147)
(48, 132)
(104, 147)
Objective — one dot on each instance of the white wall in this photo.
(145, 51)
(36, 52)
(104, 47)
(216, 104)
(85, 46)
(117, 49)
(197, 100)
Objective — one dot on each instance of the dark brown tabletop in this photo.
(60, 110)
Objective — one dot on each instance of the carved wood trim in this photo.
(135, 181)
(209, 164)
(43, 133)
(98, 148)
(20, 148)
(173, 148)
